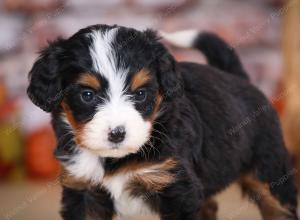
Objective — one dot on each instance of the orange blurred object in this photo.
(279, 106)
(39, 157)
(278, 100)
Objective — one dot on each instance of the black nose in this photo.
(117, 134)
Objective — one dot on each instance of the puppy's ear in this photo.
(168, 76)
(45, 83)
(167, 72)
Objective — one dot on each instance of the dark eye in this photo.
(140, 95)
(87, 95)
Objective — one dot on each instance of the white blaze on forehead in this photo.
(105, 61)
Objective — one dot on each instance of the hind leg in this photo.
(275, 181)
(260, 194)
(209, 210)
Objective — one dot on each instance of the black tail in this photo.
(218, 53)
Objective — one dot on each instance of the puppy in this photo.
(139, 133)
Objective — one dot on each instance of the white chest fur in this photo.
(126, 205)
(87, 166)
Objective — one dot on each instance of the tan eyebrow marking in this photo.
(139, 79)
(88, 79)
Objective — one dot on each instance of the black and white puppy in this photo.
(139, 133)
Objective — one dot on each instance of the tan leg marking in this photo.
(259, 193)
(209, 210)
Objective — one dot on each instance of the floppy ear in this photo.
(45, 86)
(167, 72)
(168, 76)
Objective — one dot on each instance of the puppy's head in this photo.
(108, 84)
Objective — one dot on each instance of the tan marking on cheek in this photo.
(89, 80)
(69, 115)
(139, 79)
(77, 127)
(158, 100)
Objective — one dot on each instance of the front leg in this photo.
(86, 204)
(182, 200)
